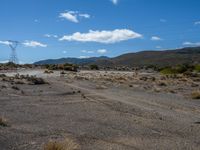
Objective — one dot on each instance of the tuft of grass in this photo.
(48, 71)
(67, 144)
(195, 95)
(3, 122)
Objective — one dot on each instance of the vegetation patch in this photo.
(180, 69)
(3, 122)
(66, 67)
(48, 71)
(22, 79)
(94, 67)
(67, 144)
(196, 95)
(34, 80)
(197, 68)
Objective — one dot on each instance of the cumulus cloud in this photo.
(197, 23)
(5, 42)
(33, 44)
(89, 52)
(105, 37)
(102, 51)
(50, 36)
(155, 38)
(73, 16)
(191, 44)
(115, 2)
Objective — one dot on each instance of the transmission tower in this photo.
(13, 57)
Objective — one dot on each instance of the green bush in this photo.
(197, 68)
(176, 70)
(66, 67)
(94, 67)
(168, 70)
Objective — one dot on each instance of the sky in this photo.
(51, 29)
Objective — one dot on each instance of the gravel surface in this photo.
(98, 114)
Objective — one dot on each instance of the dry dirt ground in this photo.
(101, 111)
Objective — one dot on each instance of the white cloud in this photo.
(191, 44)
(85, 15)
(4, 61)
(102, 51)
(73, 16)
(158, 47)
(5, 42)
(89, 52)
(105, 37)
(33, 44)
(51, 35)
(82, 57)
(115, 2)
(197, 23)
(155, 38)
(64, 52)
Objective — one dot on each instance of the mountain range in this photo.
(188, 55)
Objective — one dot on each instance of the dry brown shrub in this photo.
(195, 95)
(67, 144)
(3, 122)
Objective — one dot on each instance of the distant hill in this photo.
(188, 55)
(78, 61)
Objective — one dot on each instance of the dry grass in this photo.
(67, 144)
(195, 95)
(48, 71)
(3, 122)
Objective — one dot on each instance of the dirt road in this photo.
(97, 117)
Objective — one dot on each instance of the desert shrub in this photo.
(62, 73)
(15, 88)
(67, 144)
(162, 84)
(195, 95)
(3, 122)
(181, 68)
(2, 75)
(197, 68)
(35, 80)
(70, 67)
(48, 71)
(11, 64)
(66, 67)
(154, 67)
(174, 70)
(51, 67)
(167, 70)
(94, 67)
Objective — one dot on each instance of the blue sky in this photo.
(87, 28)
